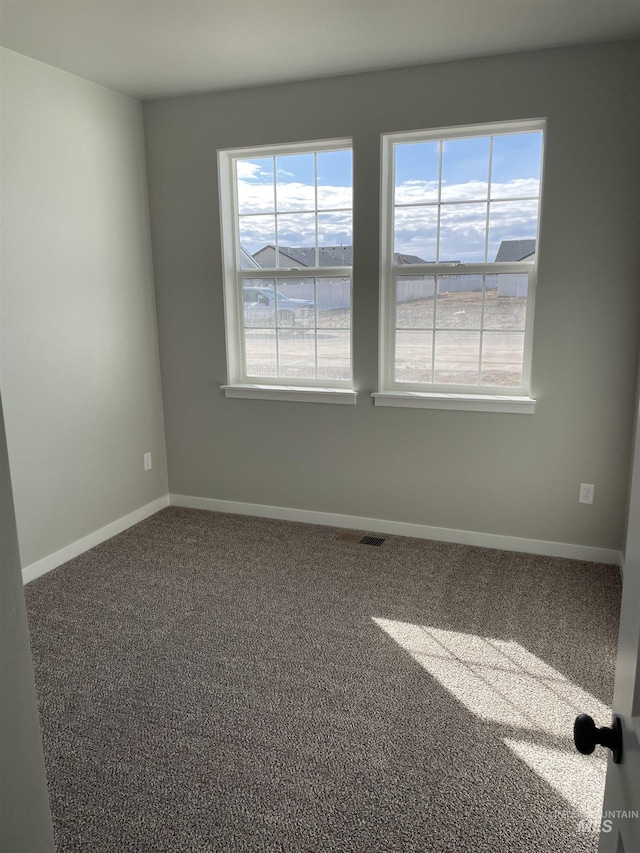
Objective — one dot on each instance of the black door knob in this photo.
(586, 736)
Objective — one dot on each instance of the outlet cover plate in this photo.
(585, 495)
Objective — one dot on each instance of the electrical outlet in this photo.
(147, 462)
(586, 493)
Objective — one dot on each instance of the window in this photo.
(286, 216)
(460, 213)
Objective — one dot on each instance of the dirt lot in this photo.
(307, 353)
(458, 340)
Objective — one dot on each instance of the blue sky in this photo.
(284, 189)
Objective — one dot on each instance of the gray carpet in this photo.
(210, 682)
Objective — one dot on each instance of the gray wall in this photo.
(80, 371)
(25, 819)
(497, 473)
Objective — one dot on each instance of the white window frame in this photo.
(426, 395)
(239, 383)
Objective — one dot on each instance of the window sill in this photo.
(459, 402)
(291, 393)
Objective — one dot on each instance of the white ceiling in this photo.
(154, 48)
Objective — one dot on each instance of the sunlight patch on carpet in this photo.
(515, 691)
(577, 779)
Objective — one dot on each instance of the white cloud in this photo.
(419, 192)
(296, 230)
(247, 170)
(256, 197)
(463, 226)
(256, 203)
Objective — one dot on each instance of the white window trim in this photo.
(460, 397)
(239, 383)
(456, 402)
(294, 394)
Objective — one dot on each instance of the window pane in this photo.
(254, 181)
(295, 317)
(417, 167)
(505, 304)
(462, 233)
(335, 180)
(502, 357)
(415, 233)
(333, 298)
(515, 167)
(258, 301)
(466, 200)
(457, 357)
(414, 301)
(334, 231)
(256, 233)
(334, 354)
(295, 182)
(297, 352)
(296, 303)
(459, 304)
(465, 169)
(291, 210)
(413, 357)
(260, 353)
(297, 231)
(512, 230)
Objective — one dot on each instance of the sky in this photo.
(302, 192)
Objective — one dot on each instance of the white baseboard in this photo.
(401, 528)
(41, 567)
(377, 525)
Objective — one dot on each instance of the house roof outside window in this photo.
(515, 250)
(328, 256)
